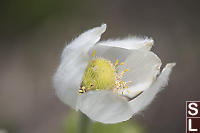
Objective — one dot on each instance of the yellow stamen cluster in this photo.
(120, 85)
(101, 74)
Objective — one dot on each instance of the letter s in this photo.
(195, 110)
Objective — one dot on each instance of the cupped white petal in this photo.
(144, 99)
(74, 60)
(84, 41)
(111, 53)
(143, 68)
(104, 106)
(144, 43)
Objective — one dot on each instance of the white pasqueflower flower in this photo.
(112, 80)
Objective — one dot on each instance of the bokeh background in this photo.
(34, 32)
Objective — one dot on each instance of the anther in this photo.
(116, 62)
(93, 53)
(122, 63)
(128, 91)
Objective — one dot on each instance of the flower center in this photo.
(101, 74)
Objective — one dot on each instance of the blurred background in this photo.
(34, 32)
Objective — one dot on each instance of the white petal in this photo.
(144, 99)
(85, 41)
(144, 43)
(143, 68)
(74, 60)
(104, 106)
(111, 53)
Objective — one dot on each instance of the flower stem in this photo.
(84, 124)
